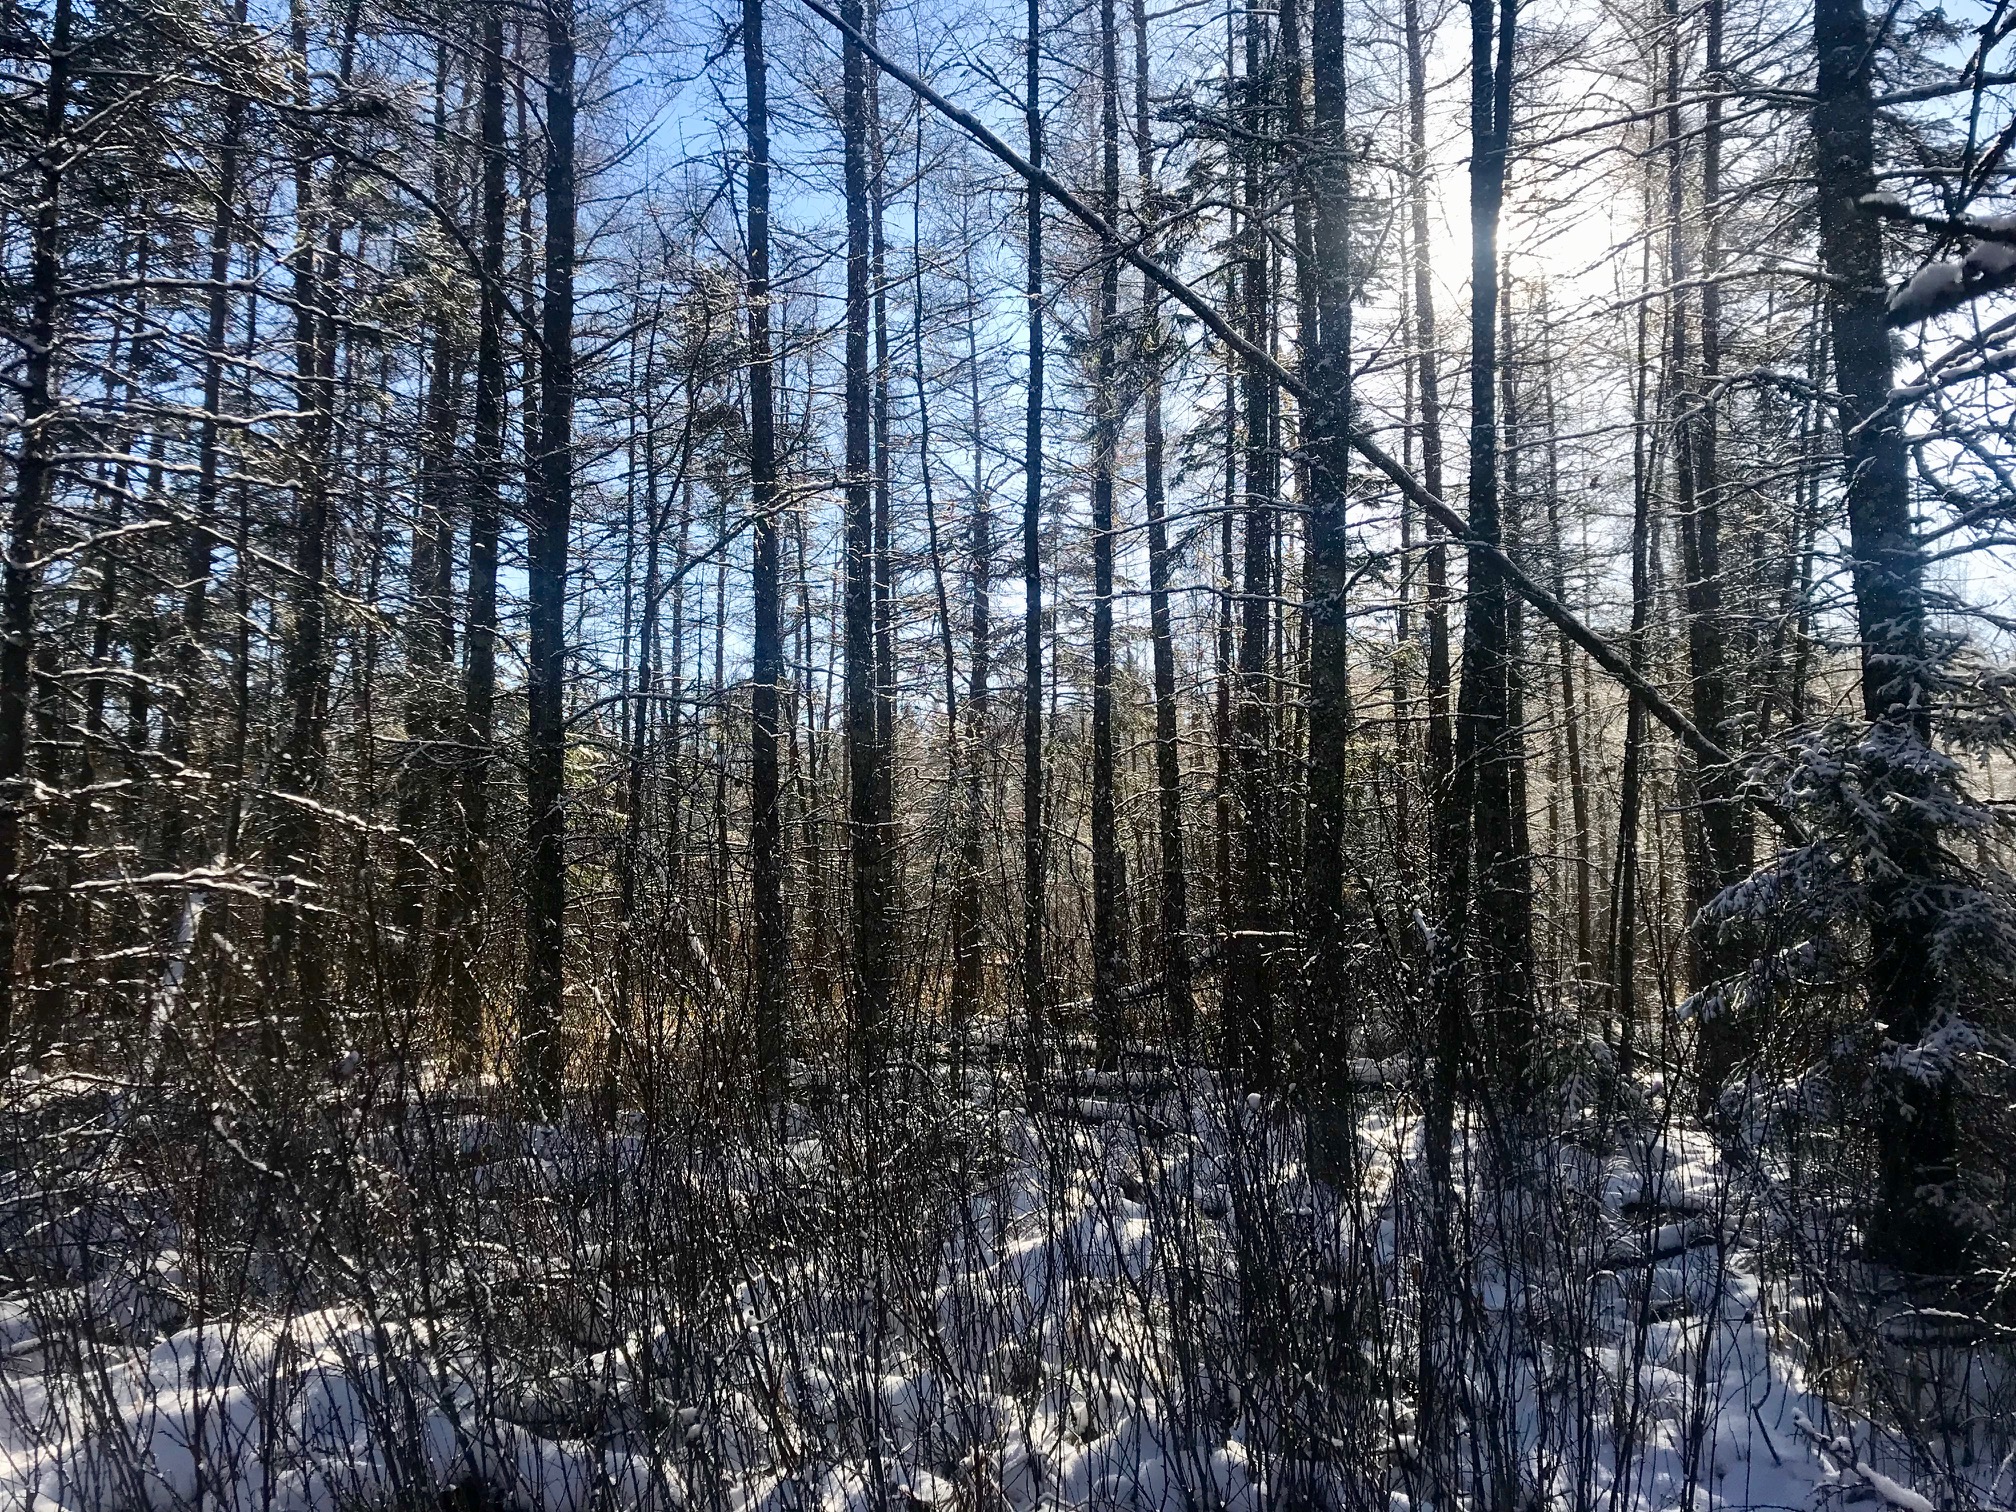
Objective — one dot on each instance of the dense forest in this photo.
(1242, 754)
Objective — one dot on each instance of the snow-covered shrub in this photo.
(1895, 847)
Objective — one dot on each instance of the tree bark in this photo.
(1481, 822)
(1249, 1051)
(462, 932)
(1571, 724)
(1106, 903)
(769, 961)
(1621, 967)
(865, 753)
(1327, 567)
(1177, 1000)
(292, 954)
(1034, 851)
(969, 910)
(541, 1054)
(429, 636)
(33, 475)
(1724, 845)
(1919, 1133)
(1438, 673)
(177, 733)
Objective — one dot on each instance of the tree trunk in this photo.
(637, 722)
(1034, 851)
(1248, 1012)
(542, 1056)
(1440, 741)
(1223, 659)
(1177, 1001)
(1621, 968)
(865, 753)
(1327, 567)
(462, 934)
(428, 648)
(177, 734)
(969, 906)
(1919, 1135)
(1571, 724)
(33, 475)
(292, 953)
(885, 582)
(769, 961)
(1722, 853)
(1481, 818)
(429, 639)
(1106, 903)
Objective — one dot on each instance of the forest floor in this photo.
(1141, 1298)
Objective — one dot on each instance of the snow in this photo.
(1935, 287)
(1041, 1339)
(1891, 1492)
(1988, 261)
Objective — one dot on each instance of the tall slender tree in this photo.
(771, 943)
(1106, 901)
(1723, 849)
(969, 930)
(1480, 828)
(293, 956)
(868, 837)
(1174, 889)
(1327, 421)
(198, 539)
(1428, 384)
(541, 1051)
(34, 463)
(1248, 1012)
(1571, 722)
(1034, 851)
(461, 933)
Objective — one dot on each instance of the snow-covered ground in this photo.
(1139, 1300)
